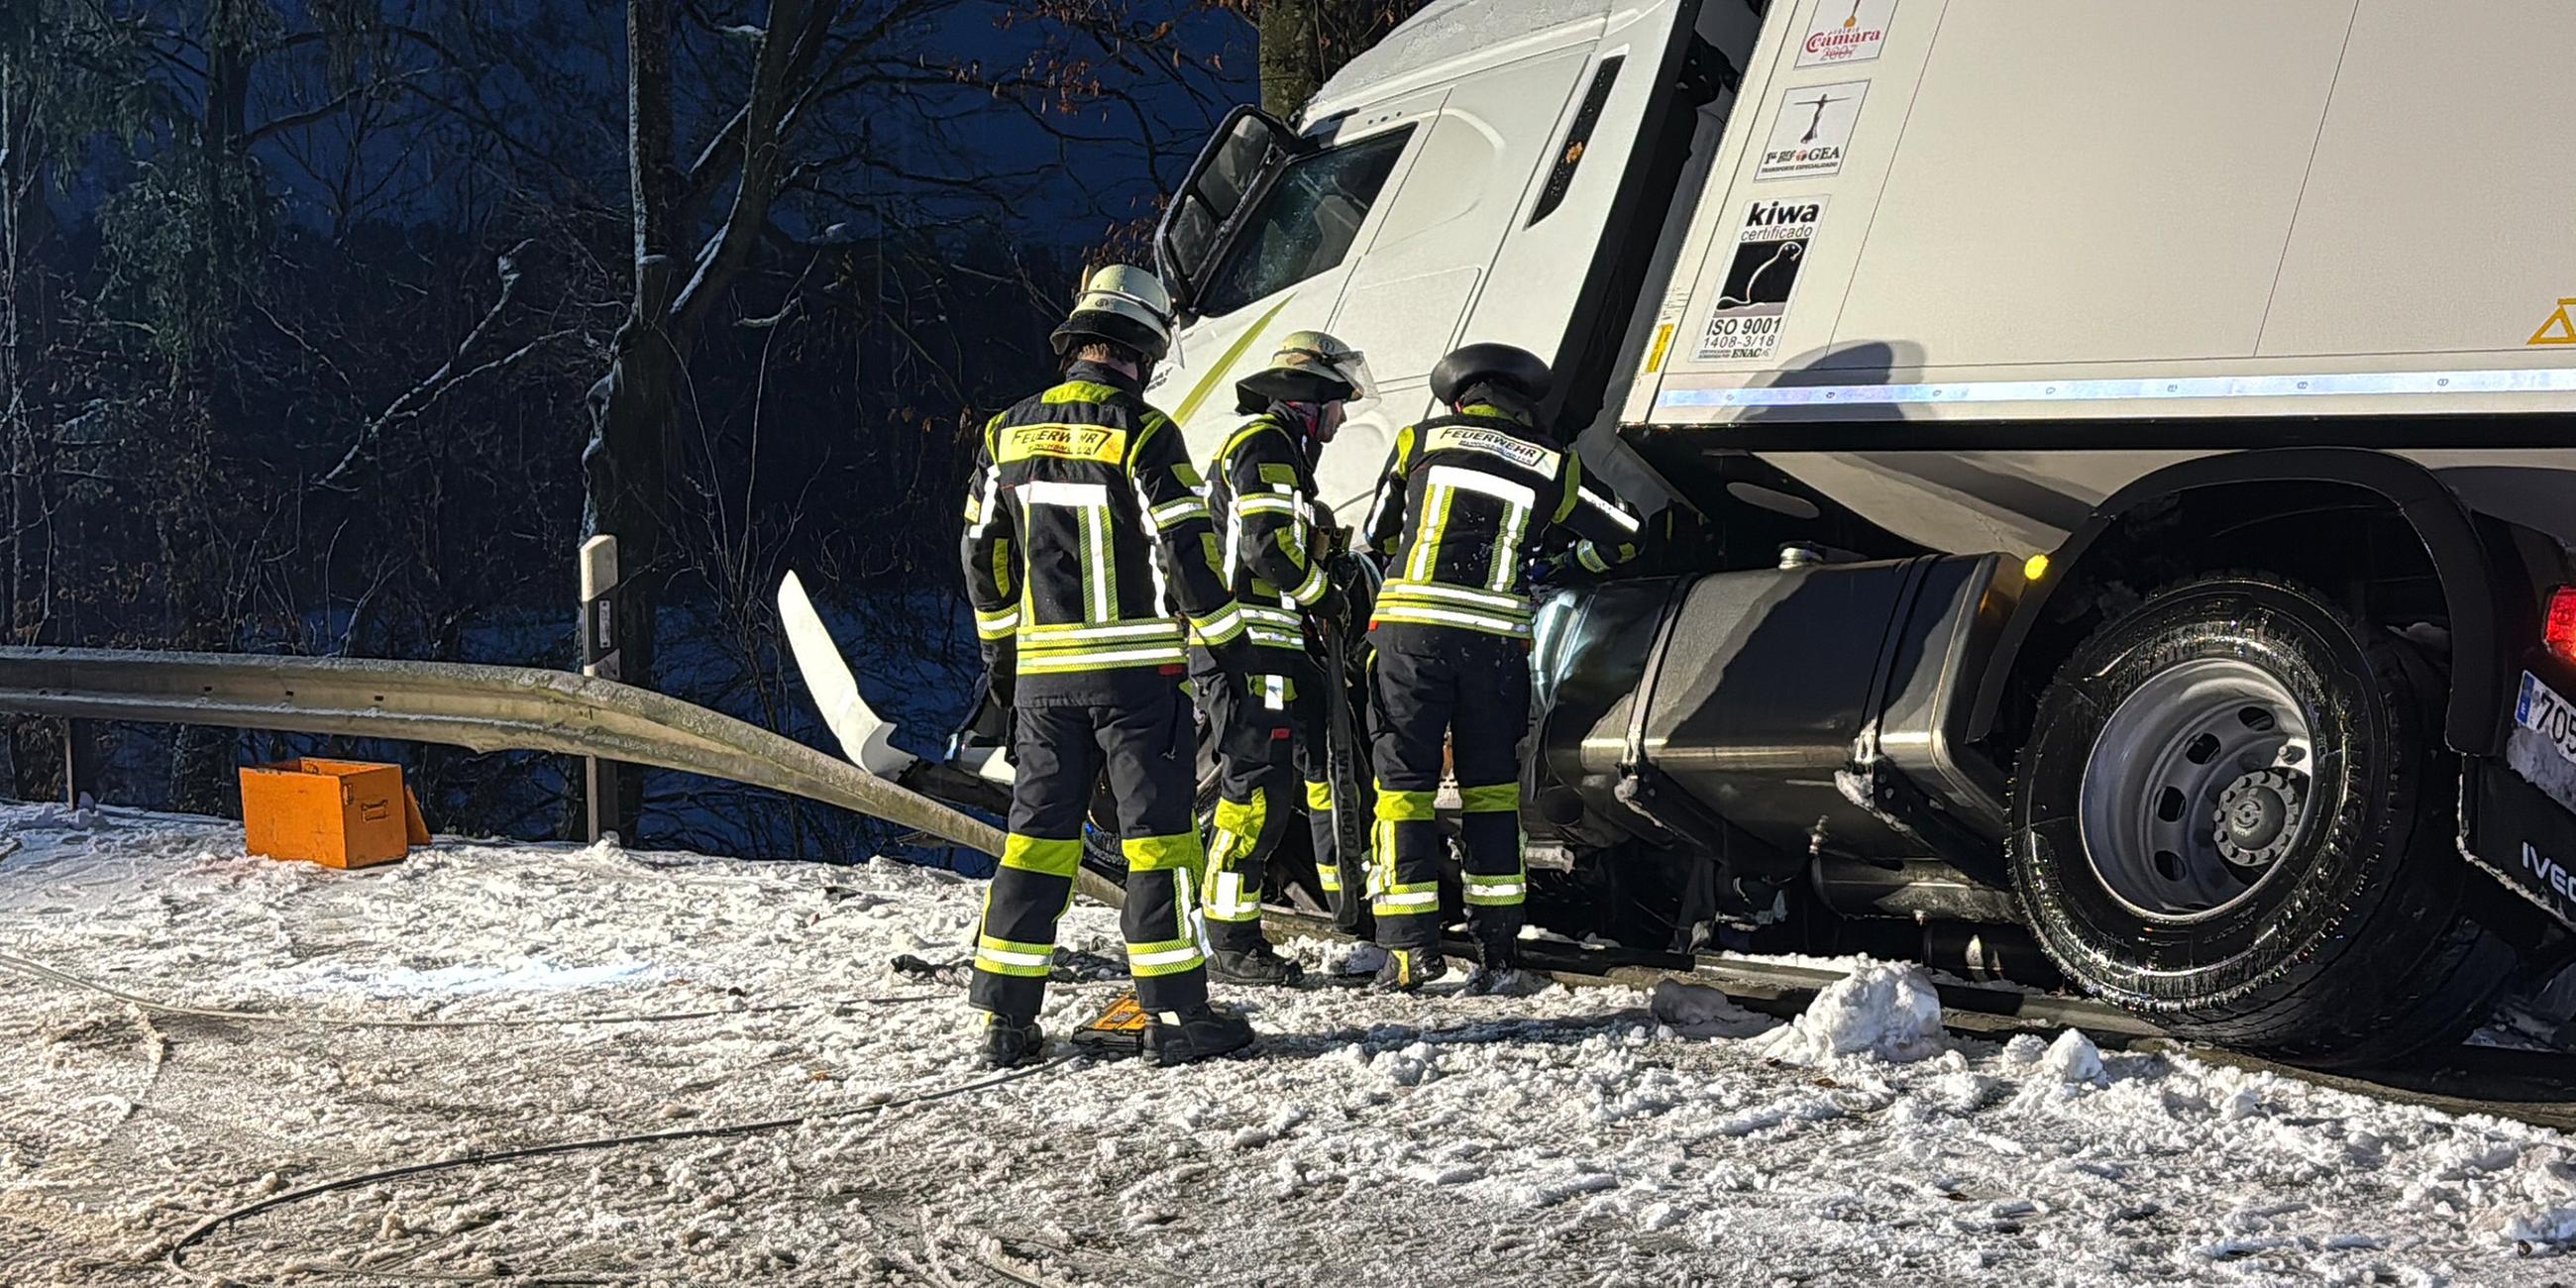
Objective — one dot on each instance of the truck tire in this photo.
(2234, 816)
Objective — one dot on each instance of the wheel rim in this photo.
(2196, 789)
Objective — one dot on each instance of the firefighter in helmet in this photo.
(1085, 531)
(1464, 499)
(1269, 722)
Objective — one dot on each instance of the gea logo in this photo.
(1772, 213)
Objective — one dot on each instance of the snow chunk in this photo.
(2074, 1058)
(1697, 1010)
(2553, 1227)
(1886, 1010)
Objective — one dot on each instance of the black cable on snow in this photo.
(175, 1258)
(42, 971)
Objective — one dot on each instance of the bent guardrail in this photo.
(482, 708)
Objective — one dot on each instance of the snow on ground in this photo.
(1564, 1138)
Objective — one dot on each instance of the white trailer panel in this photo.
(2087, 208)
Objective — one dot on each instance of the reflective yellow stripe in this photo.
(996, 625)
(1442, 592)
(1164, 957)
(1498, 798)
(1160, 853)
(1496, 892)
(1233, 896)
(1080, 391)
(1405, 807)
(1311, 589)
(1420, 616)
(1408, 900)
(1105, 660)
(1009, 957)
(1319, 796)
(1238, 826)
(1155, 630)
(1036, 854)
(1218, 627)
(1178, 512)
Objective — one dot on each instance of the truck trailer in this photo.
(2108, 466)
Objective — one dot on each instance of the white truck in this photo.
(2110, 462)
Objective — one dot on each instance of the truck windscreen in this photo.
(1307, 221)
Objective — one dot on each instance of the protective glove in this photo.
(1001, 669)
(1560, 573)
(1332, 605)
(1235, 658)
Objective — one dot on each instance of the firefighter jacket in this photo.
(1464, 498)
(1261, 496)
(1084, 532)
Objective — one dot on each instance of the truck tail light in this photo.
(2560, 634)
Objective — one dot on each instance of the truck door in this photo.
(1481, 203)
(1260, 239)
(1529, 193)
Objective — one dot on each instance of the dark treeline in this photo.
(332, 326)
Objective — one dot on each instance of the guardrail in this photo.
(482, 708)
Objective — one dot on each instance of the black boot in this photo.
(1010, 1042)
(1259, 966)
(1408, 969)
(1498, 956)
(1200, 1033)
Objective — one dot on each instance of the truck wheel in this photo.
(2234, 816)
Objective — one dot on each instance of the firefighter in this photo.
(1269, 723)
(1464, 499)
(1083, 518)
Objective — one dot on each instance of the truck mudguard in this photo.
(2483, 585)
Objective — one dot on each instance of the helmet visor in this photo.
(1352, 365)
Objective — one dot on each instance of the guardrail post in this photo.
(80, 760)
(607, 804)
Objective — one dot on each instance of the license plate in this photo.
(2542, 744)
(2522, 836)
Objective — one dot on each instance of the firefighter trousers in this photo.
(1270, 753)
(1434, 685)
(1147, 747)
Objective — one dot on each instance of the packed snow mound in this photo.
(1885, 1010)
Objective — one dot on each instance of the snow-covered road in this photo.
(1566, 1138)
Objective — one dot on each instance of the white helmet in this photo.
(1122, 304)
(1309, 367)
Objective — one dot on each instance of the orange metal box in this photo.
(338, 813)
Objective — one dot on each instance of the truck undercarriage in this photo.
(2220, 793)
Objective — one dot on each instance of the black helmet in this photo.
(1518, 370)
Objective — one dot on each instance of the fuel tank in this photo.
(1818, 708)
